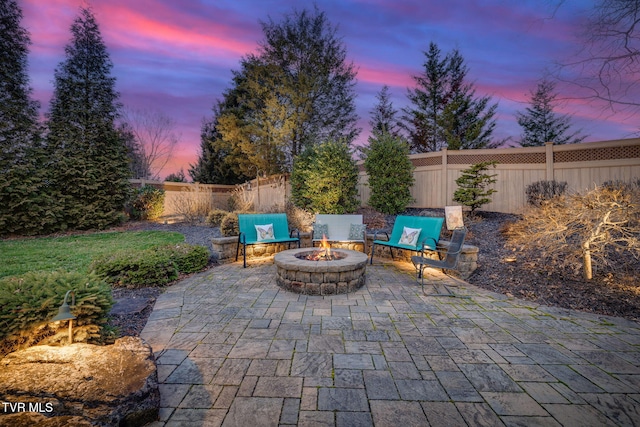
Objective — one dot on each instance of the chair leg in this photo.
(373, 249)
(244, 255)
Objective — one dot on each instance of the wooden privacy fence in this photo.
(181, 197)
(582, 166)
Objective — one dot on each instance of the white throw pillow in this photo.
(264, 232)
(410, 236)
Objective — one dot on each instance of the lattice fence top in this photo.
(595, 154)
(513, 158)
(427, 161)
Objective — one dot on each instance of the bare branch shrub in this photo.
(241, 200)
(600, 228)
(540, 191)
(299, 219)
(193, 204)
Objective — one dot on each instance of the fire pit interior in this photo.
(320, 272)
(323, 253)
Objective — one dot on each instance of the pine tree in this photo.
(88, 152)
(383, 115)
(428, 99)
(539, 122)
(25, 206)
(445, 110)
(467, 121)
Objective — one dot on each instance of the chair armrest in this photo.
(423, 241)
(375, 235)
(242, 238)
(295, 231)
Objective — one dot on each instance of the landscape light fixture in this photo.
(64, 313)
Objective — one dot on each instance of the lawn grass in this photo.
(74, 253)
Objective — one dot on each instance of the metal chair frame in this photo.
(450, 261)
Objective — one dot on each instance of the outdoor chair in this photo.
(411, 233)
(450, 261)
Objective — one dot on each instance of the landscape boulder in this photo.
(80, 384)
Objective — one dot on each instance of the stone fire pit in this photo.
(320, 277)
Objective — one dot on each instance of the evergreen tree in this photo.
(218, 162)
(296, 91)
(318, 81)
(467, 121)
(539, 122)
(383, 115)
(88, 152)
(138, 167)
(472, 183)
(325, 178)
(25, 205)
(390, 172)
(445, 110)
(428, 99)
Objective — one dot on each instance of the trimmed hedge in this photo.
(188, 258)
(29, 301)
(151, 267)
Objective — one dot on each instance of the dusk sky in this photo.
(176, 57)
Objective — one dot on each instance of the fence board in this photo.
(581, 165)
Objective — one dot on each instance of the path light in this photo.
(64, 313)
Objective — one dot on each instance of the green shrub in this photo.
(188, 258)
(229, 225)
(215, 217)
(147, 203)
(29, 301)
(150, 267)
(136, 269)
(541, 191)
(325, 178)
(390, 173)
(472, 185)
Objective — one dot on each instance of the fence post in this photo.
(548, 146)
(445, 181)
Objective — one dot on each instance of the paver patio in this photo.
(233, 349)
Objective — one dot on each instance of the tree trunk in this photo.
(586, 256)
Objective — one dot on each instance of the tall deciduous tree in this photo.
(608, 62)
(88, 152)
(445, 110)
(25, 205)
(155, 137)
(541, 124)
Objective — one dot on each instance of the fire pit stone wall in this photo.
(320, 277)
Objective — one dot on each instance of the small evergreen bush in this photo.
(541, 191)
(390, 173)
(136, 269)
(229, 225)
(188, 258)
(147, 203)
(215, 217)
(472, 185)
(151, 267)
(28, 302)
(325, 178)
